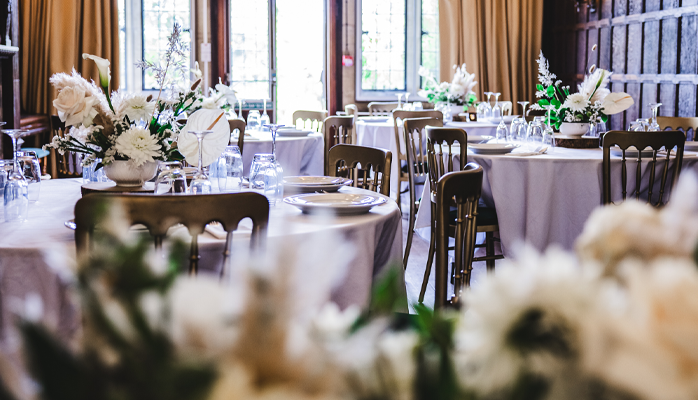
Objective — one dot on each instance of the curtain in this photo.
(498, 40)
(54, 34)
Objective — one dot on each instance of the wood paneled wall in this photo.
(650, 45)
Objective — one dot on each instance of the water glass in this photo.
(5, 171)
(264, 177)
(89, 175)
(513, 134)
(15, 198)
(229, 170)
(535, 132)
(171, 178)
(253, 121)
(502, 132)
(31, 169)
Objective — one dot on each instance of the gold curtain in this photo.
(499, 40)
(54, 34)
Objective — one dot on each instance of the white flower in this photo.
(226, 92)
(595, 83)
(544, 75)
(103, 67)
(82, 133)
(615, 103)
(331, 323)
(463, 82)
(74, 107)
(196, 71)
(138, 145)
(576, 102)
(137, 107)
(210, 103)
(444, 85)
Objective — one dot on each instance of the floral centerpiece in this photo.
(573, 112)
(129, 132)
(458, 92)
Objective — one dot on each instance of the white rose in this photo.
(74, 107)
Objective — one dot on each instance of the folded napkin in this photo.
(530, 153)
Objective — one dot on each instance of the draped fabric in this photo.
(54, 34)
(499, 40)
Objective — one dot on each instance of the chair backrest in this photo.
(438, 140)
(311, 120)
(462, 188)
(415, 145)
(68, 164)
(338, 130)
(240, 125)
(401, 115)
(506, 107)
(642, 140)
(381, 107)
(351, 109)
(374, 173)
(159, 213)
(679, 123)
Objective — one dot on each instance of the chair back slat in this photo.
(240, 125)
(68, 164)
(373, 173)
(311, 120)
(462, 188)
(415, 137)
(381, 107)
(679, 123)
(641, 140)
(337, 130)
(438, 138)
(159, 213)
(398, 118)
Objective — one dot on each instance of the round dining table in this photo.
(544, 200)
(35, 254)
(298, 155)
(380, 133)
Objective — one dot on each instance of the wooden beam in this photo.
(220, 41)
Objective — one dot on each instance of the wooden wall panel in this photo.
(650, 45)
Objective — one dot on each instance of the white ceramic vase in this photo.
(125, 174)
(577, 129)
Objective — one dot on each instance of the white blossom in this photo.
(138, 145)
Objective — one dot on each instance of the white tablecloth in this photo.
(547, 199)
(382, 135)
(297, 155)
(28, 250)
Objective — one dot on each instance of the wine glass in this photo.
(654, 126)
(273, 128)
(501, 134)
(488, 106)
(200, 184)
(535, 132)
(548, 132)
(513, 134)
(30, 167)
(264, 178)
(264, 119)
(253, 120)
(407, 102)
(230, 170)
(523, 105)
(16, 193)
(497, 109)
(399, 101)
(171, 179)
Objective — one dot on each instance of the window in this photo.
(249, 48)
(394, 38)
(144, 26)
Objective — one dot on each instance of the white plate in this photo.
(314, 183)
(292, 132)
(631, 152)
(493, 148)
(374, 119)
(691, 146)
(479, 139)
(337, 203)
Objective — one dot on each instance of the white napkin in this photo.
(213, 143)
(530, 153)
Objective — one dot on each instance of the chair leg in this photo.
(410, 226)
(489, 248)
(430, 260)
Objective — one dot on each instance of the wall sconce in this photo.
(590, 4)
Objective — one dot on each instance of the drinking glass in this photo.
(5, 171)
(171, 178)
(230, 170)
(16, 196)
(481, 109)
(654, 125)
(535, 132)
(273, 128)
(548, 132)
(501, 135)
(497, 110)
(90, 175)
(407, 106)
(30, 167)
(399, 101)
(488, 106)
(513, 134)
(264, 177)
(253, 120)
(523, 105)
(523, 131)
(264, 119)
(200, 184)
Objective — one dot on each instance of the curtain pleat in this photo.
(55, 33)
(498, 40)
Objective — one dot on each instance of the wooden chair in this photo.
(381, 107)
(506, 107)
(159, 213)
(338, 130)
(240, 125)
(438, 140)
(417, 167)
(351, 109)
(679, 123)
(374, 171)
(311, 120)
(462, 189)
(398, 117)
(68, 164)
(642, 140)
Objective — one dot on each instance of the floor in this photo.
(417, 261)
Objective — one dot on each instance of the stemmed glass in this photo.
(501, 132)
(264, 119)
(273, 128)
(407, 102)
(399, 101)
(200, 184)
(654, 126)
(548, 132)
(497, 110)
(253, 120)
(16, 193)
(523, 105)
(488, 106)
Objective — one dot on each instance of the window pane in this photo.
(249, 48)
(430, 37)
(122, 44)
(383, 44)
(158, 18)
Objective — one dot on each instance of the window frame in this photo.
(133, 14)
(413, 56)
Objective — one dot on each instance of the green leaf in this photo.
(556, 103)
(543, 102)
(539, 87)
(550, 91)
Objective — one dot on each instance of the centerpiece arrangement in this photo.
(128, 133)
(572, 113)
(458, 93)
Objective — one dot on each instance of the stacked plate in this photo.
(305, 184)
(493, 148)
(336, 203)
(479, 139)
(293, 132)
